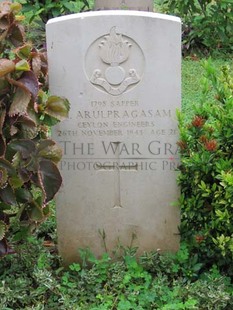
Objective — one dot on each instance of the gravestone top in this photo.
(118, 14)
(139, 5)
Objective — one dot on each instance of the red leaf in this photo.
(5, 7)
(2, 146)
(5, 249)
(17, 36)
(8, 196)
(44, 63)
(28, 82)
(36, 65)
(6, 66)
(2, 119)
(50, 179)
(20, 102)
(25, 147)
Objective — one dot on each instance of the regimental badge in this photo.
(121, 63)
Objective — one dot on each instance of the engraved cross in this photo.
(117, 175)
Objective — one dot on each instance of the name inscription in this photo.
(116, 114)
(117, 120)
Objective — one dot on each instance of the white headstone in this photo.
(120, 71)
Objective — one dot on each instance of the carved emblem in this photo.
(115, 73)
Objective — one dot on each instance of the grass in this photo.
(192, 73)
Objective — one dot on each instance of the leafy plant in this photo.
(208, 25)
(34, 279)
(211, 291)
(206, 172)
(29, 177)
(181, 264)
(47, 9)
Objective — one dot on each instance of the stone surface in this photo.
(121, 72)
(139, 5)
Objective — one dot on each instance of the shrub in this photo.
(206, 172)
(29, 177)
(47, 9)
(208, 25)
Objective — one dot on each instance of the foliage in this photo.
(192, 71)
(182, 264)
(212, 291)
(34, 279)
(36, 14)
(29, 177)
(47, 9)
(208, 25)
(206, 172)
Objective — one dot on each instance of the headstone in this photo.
(139, 5)
(120, 71)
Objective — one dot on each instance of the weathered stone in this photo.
(121, 72)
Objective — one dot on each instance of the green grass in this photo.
(192, 73)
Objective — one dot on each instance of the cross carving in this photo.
(117, 175)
